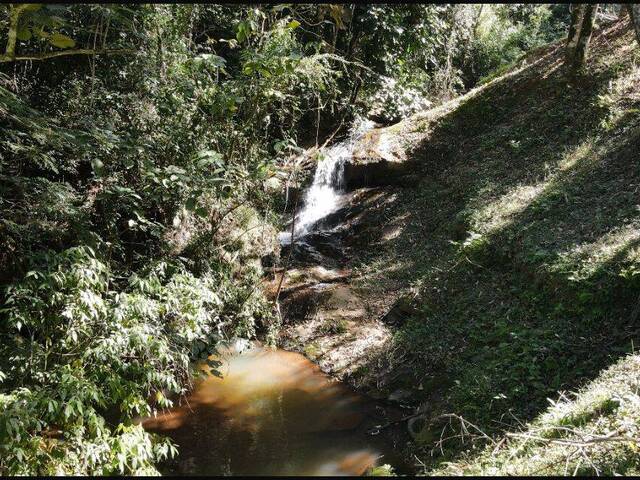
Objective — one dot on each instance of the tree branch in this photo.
(14, 16)
(76, 51)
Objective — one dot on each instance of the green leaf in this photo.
(293, 24)
(191, 204)
(211, 59)
(61, 41)
(241, 34)
(24, 34)
(202, 212)
(97, 165)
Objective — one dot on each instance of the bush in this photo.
(86, 349)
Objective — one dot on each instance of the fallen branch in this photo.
(611, 437)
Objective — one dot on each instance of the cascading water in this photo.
(327, 189)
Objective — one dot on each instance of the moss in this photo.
(381, 471)
(334, 326)
(312, 351)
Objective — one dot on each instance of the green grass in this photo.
(522, 241)
(596, 432)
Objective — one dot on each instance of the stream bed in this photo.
(274, 412)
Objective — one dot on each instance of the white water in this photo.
(327, 189)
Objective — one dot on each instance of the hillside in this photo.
(319, 239)
(504, 270)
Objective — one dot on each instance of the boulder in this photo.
(378, 160)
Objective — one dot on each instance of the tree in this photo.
(28, 20)
(634, 15)
(580, 30)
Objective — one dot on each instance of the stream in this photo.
(274, 412)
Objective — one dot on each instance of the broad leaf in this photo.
(61, 41)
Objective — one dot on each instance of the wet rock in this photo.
(379, 172)
(400, 312)
(318, 248)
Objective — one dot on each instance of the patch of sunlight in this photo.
(552, 68)
(394, 228)
(499, 213)
(388, 147)
(391, 232)
(380, 273)
(583, 260)
(608, 406)
(567, 411)
(571, 158)
(626, 86)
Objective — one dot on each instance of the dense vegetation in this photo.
(137, 162)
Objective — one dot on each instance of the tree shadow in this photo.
(517, 241)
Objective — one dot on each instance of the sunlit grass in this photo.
(584, 433)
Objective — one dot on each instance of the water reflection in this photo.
(272, 413)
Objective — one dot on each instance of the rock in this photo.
(378, 173)
(400, 312)
(400, 394)
(378, 160)
(273, 184)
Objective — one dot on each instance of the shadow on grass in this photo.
(539, 302)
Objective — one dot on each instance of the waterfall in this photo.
(327, 189)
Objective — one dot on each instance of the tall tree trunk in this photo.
(580, 30)
(476, 23)
(585, 34)
(14, 16)
(577, 10)
(634, 14)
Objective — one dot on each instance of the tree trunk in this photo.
(624, 11)
(585, 35)
(634, 15)
(14, 17)
(476, 23)
(574, 29)
(580, 30)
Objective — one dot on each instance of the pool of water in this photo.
(274, 412)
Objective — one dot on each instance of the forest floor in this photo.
(507, 273)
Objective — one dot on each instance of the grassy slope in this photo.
(521, 249)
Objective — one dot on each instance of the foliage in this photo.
(504, 33)
(76, 348)
(432, 52)
(137, 142)
(130, 185)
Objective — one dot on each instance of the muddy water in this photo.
(274, 413)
